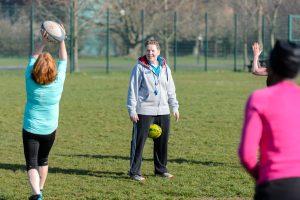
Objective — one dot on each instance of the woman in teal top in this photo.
(44, 86)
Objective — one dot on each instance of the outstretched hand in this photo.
(256, 49)
(39, 47)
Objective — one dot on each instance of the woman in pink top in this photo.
(270, 144)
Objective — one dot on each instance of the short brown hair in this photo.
(153, 42)
(44, 70)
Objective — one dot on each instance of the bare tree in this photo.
(126, 22)
(247, 11)
(259, 5)
(272, 15)
(59, 10)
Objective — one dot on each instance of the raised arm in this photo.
(62, 48)
(40, 47)
(256, 69)
(62, 51)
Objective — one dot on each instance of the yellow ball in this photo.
(154, 131)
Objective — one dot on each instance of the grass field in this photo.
(125, 62)
(90, 157)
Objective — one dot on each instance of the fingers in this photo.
(134, 118)
(255, 45)
(63, 28)
(176, 115)
(44, 33)
(256, 49)
(44, 36)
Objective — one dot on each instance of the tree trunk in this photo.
(272, 35)
(245, 37)
(166, 50)
(245, 51)
(215, 48)
(166, 43)
(196, 47)
(259, 21)
(273, 23)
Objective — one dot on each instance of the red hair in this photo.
(44, 70)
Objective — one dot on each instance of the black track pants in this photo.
(139, 135)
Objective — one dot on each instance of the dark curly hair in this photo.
(285, 59)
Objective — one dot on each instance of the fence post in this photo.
(198, 53)
(235, 42)
(263, 37)
(71, 42)
(198, 42)
(142, 32)
(290, 27)
(206, 42)
(107, 41)
(175, 40)
(31, 27)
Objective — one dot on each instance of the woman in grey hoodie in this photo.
(150, 94)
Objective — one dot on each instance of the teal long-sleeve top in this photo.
(42, 106)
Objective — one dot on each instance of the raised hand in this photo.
(44, 36)
(256, 69)
(63, 28)
(256, 49)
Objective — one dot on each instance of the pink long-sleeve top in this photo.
(270, 143)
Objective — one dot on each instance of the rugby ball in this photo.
(55, 32)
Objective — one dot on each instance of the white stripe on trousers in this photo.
(133, 143)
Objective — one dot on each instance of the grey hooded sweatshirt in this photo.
(143, 85)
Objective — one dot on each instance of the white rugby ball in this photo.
(54, 30)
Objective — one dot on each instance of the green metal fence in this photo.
(110, 42)
(294, 28)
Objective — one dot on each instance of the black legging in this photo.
(280, 189)
(37, 148)
(160, 151)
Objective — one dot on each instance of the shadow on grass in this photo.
(84, 172)
(176, 160)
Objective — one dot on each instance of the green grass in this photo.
(89, 159)
(12, 61)
(126, 62)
